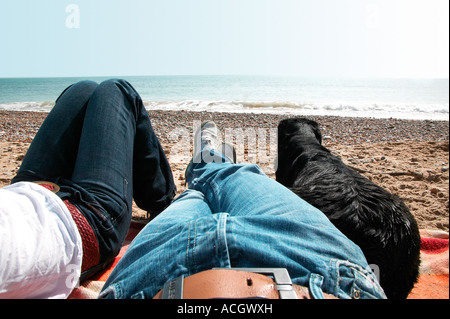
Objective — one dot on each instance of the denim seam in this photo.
(216, 191)
(188, 241)
(191, 262)
(340, 292)
(223, 252)
(334, 275)
(194, 246)
(115, 221)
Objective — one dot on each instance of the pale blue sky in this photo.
(332, 38)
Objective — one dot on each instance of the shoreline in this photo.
(21, 126)
(277, 108)
(406, 157)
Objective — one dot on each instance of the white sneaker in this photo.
(205, 137)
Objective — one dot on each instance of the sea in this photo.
(416, 99)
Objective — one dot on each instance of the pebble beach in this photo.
(407, 157)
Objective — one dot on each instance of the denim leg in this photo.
(244, 190)
(235, 216)
(153, 184)
(269, 226)
(182, 240)
(104, 162)
(53, 151)
(93, 143)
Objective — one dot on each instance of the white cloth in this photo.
(40, 246)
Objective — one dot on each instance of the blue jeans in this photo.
(98, 145)
(233, 215)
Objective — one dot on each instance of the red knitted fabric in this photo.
(50, 187)
(91, 254)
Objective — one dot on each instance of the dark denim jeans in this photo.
(98, 145)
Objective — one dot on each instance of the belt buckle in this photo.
(280, 276)
(173, 289)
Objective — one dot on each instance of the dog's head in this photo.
(299, 128)
(298, 140)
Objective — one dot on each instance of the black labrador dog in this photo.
(376, 220)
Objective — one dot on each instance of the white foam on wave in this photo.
(28, 106)
(412, 112)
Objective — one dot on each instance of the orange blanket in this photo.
(433, 281)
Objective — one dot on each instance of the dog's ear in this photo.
(314, 126)
(317, 132)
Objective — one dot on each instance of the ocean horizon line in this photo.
(399, 98)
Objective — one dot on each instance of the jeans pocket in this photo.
(356, 282)
(365, 287)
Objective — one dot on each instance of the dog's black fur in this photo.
(376, 220)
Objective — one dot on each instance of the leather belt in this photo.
(235, 283)
(91, 253)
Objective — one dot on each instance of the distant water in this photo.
(380, 98)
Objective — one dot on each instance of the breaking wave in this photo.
(418, 112)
